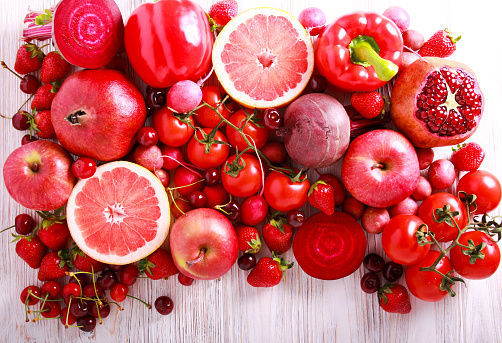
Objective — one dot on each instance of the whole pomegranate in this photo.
(436, 102)
(96, 113)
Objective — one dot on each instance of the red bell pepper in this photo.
(360, 51)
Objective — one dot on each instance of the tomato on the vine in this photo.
(486, 187)
(284, 194)
(253, 129)
(425, 284)
(485, 265)
(205, 116)
(217, 154)
(242, 177)
(399, 239)
(171, 130)
(442, 231)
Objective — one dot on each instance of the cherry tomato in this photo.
(283, 194)
(399, 241)
(486, 187)
(206, 117)
(481, 268)
(171, 130)
(249, 179)
(168, 41)
(254, 130)
(443, 232)
(217, 155)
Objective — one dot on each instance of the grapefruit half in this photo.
(263, 58)
(120, 215)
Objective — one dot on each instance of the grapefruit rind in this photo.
(154, 239)
(242, 97)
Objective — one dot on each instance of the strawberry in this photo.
(467, 156)
(394, 298)
(54, 68)
(83, 262)
(44, 96)
(322, 196)
(248, 238)
(368, 104)
(221, 13)
(54, 266)
(28, 59)
(268, 272)
(30, 249)
(277, 234)
(158, 265)
(441, 44)
(53, 229)
(43, 125)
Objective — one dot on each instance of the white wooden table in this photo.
(301, 309)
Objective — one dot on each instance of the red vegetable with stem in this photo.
(360, 51)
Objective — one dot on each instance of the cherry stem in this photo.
(200, 82)
(193, 183)
(24, 103)
(10, 227)
(12, 71)
(148, 306)
(198, 259)
(1, 115)
(186, 165)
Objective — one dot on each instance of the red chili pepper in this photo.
(360, 51)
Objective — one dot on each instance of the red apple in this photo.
(380, 168)
(96, 113)
(203, 244)
(38, 175)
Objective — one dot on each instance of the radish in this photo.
(313, 20)
(399, 16)
(87, 33)
(184, 96)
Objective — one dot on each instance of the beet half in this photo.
(316, 130)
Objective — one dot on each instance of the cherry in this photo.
(20, 121)
(97, 311)
(254, 210)
(90, 292)
(119, 292)
(374, 263)
(318, 83)
(129, 274)
(164, 305)
(246, 261)
(295, 218)
(87, 323)
(171, 156)
(185, 280)
(51, 289)
(211, 176)
(180, 206)
(83, 167)
(79, 279)
(67, 318)
(80, 308)
(24, 224)
(155, 98)
(231, 210)
(32, 300)
(29, 84)
(392, 271)
(370, 282)
(197, 199)
(51, 309)
(107, 279)
(71, 290)
(28, 139)
(147, 136)
(272, 119)
(115, 267)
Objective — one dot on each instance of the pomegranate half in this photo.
(436, 102)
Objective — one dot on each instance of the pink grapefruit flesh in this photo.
(263, 58)
(120, 215)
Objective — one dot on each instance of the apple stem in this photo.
(198, 259)
(34, 167)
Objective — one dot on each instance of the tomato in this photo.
(253, 132)
(217, 155)
(249, 179)
(168, 41)
(486, 187)
(443, 232)
(283, 194)
(171, 130)
(205, 116)
(481, 268)
(399, 241)
(425, 285)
